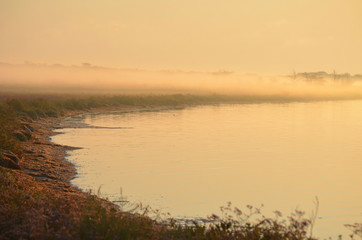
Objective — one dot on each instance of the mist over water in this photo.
(88, 79)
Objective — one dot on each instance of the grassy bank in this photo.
(14, 110)
(31, 212)
(30, 209)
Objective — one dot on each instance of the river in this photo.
(189, 162)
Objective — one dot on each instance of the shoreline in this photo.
(46, 161)
(39, 202)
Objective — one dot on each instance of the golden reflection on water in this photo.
(190, 162)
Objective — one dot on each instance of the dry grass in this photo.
(29, 210)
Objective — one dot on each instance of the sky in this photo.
(263, 36)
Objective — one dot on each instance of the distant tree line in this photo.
(321, 77)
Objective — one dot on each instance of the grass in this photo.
(9, 123)
(30, 210)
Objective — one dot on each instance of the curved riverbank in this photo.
(37, 201)
(248, 154)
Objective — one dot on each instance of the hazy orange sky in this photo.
(266, 36)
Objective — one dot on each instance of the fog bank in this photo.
(88, 79)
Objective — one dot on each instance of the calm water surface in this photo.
(190, 162)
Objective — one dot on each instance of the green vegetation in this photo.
(31, 211)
